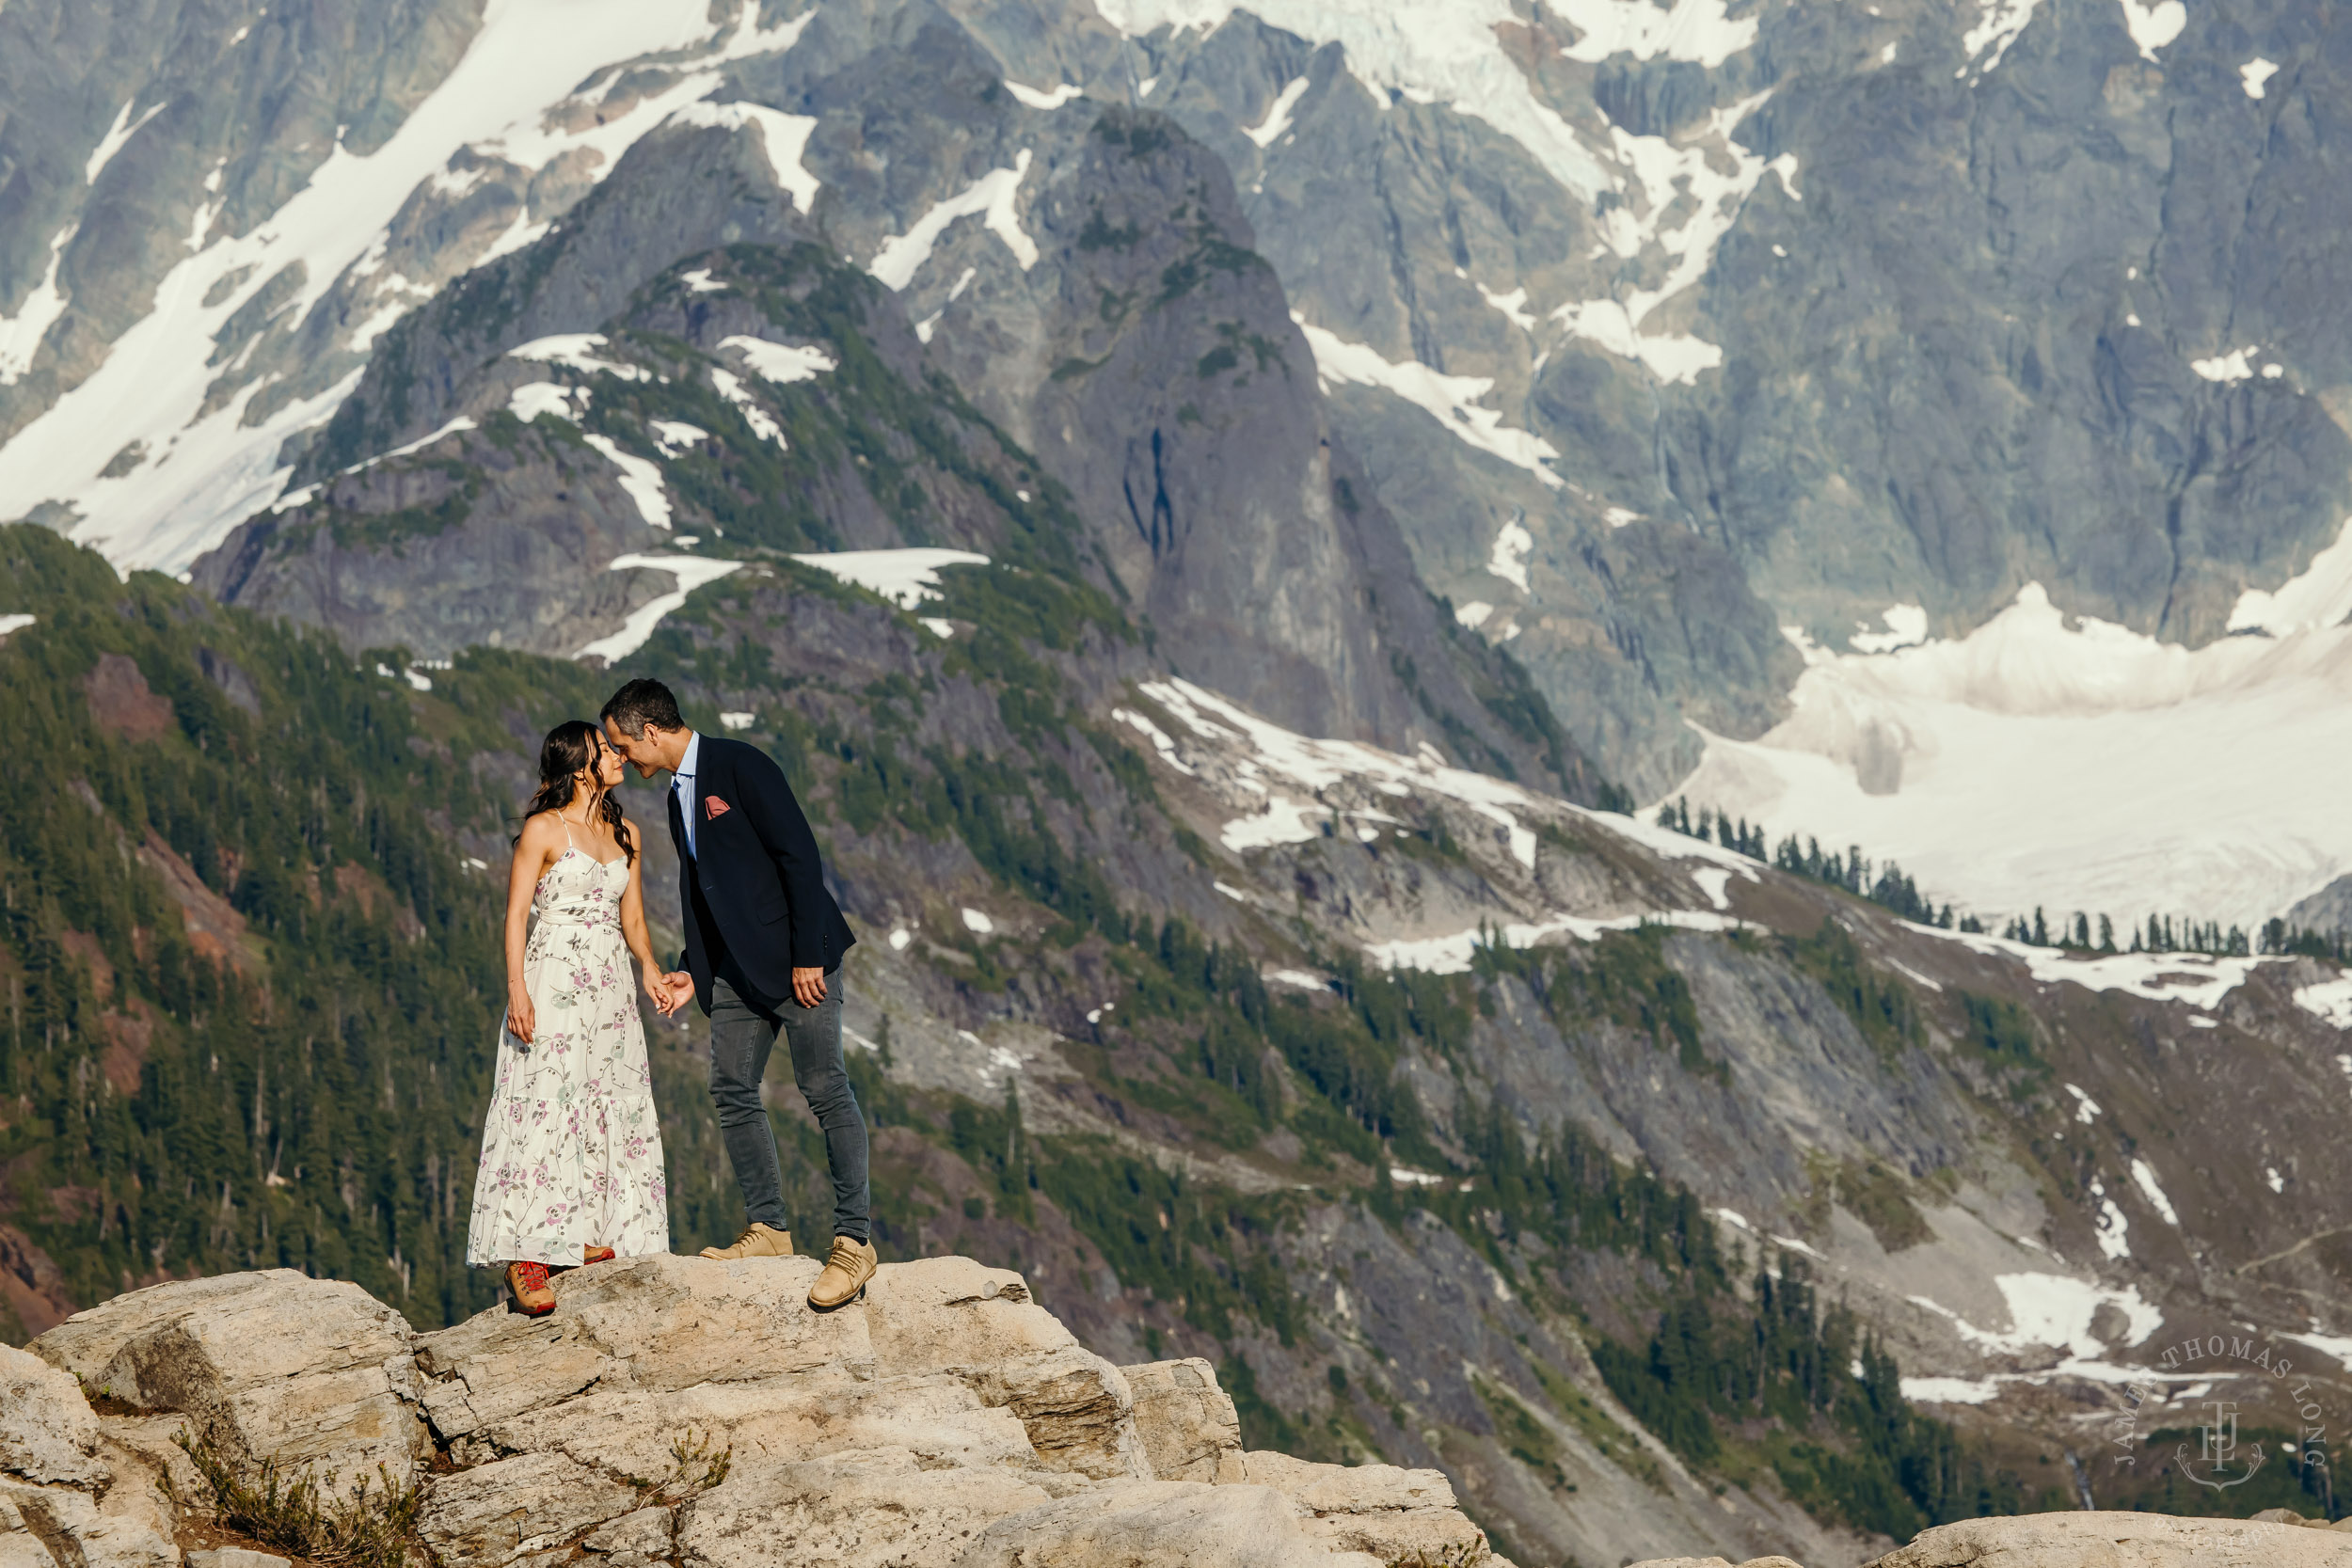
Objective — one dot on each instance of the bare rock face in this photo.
(1395, 1514)
(1152, 1523)
(2108, 1540)
(47, 1434)
(686, 1412)
(2097, 1540)
(1190, 1428)
(314, 1374)
(69, 1494)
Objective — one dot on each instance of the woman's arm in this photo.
(641, 943)
(532, 851)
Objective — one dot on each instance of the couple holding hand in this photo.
(571, 1167)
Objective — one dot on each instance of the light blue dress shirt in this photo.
(684, 785)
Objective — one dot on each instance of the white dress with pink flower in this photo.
(571, 1148)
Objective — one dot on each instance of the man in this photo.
(764, 942)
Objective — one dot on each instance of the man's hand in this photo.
(671, 992)
(808, 984)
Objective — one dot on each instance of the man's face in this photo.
(639, 750)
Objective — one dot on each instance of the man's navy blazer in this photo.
(755, 877)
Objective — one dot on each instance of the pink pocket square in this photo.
(714, 808)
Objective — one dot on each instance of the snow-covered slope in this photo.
(162, 451)
(1578, 312)
(2079, 766)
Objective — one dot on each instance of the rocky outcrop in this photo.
(315, 1374)
(2098, 1540)
(70, 1495)
(693, 1413)
(2126, 1540)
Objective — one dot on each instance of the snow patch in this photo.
(412, 447)
(1997, 29)
(2330, 1000)
(640, 478)
(905, 577)
(21, 334)
(699, 281)
(738, 720)
(117, 135)
(571, 350)
(692, 572)
(1158, 737)
(1508, 559)
(675, 436)
(1282, 821)
(2055, 1311)
(1474, 614)
(781, 364)
(2153, 26)
(1906, 627)
(1037, 99)
(1673, 178)
(2336, 1346)
(2236, 365)
(15, 622)
(2085, 1108)
(1513, 306)
(2255, 74)
(1449, 400)
(2144, 1178)
(1449, 51)
(1278, 116)
(730, 387)
(1452, 954)
(534, 398)
(783, 136)
(2319, 598)
(976, 922)
(1301, 978)
(2112, 1227)
(990, 197)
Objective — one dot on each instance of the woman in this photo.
(571, 1151)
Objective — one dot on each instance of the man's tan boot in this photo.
(757, 1241)
(845, 1272)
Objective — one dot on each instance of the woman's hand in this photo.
(520, 1017)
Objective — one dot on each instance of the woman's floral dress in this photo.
(571, 1150)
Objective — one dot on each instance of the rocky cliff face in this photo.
(1642, 388)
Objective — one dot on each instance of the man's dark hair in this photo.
(639, 704)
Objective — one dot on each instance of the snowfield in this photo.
(2075, 768)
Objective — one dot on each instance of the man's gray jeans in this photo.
(742, 1035)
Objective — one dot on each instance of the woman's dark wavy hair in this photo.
(566, 752)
